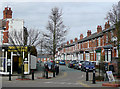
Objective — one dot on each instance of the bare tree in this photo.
(56, 32)
(29, 38)
(114, 17)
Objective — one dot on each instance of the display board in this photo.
(33, 62)
(110, 76)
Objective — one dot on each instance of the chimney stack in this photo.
(81, 36)
(107, 25)
(7, 13)
(88, 33)
(67, 42)
(75, 39)
(71, 41)
(99, 29)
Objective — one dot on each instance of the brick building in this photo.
(91, 47)
(9, 56)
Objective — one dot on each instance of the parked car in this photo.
(50, 65)
(78, 65)
(87, 65)
(71, 64)
(62, 62)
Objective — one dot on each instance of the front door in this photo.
(15, 64)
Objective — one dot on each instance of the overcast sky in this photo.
(78, 16)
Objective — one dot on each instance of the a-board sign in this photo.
(110, 76)
(33, 62)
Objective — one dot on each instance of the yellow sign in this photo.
(17, 48)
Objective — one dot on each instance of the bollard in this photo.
(32, 74)
(58, 69)
(46, 73)
(9, 75)
(53, 72)
(94, 76)
(87, 75)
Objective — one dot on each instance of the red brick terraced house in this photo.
(91, 47)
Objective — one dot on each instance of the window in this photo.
(87, 56)
(98, 56)
(81, 56)
(91, 56)
(88, 44)
(111, 33)
(109, 55)
(99, 41)
(106, 56)
(103, 40)
(106, 37)
(1, 59)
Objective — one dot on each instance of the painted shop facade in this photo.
(11, 59)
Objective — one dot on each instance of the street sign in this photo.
(110, 76)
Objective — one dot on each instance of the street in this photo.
(68, 77)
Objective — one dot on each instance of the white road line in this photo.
(63, 83)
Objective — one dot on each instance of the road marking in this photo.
(63, 83)
(85, 85)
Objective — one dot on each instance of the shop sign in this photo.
(110, 76)
(17, 48)
(33, 62)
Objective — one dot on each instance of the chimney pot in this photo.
(67, 42)
(107, 25)
(81, 36)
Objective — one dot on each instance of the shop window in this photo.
(1, 60)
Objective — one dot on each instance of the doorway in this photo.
(15, 64)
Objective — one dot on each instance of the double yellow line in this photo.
(84, 85)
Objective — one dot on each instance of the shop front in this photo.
(12, 58)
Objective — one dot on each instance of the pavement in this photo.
(68, 77)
